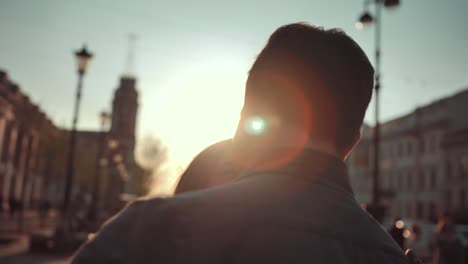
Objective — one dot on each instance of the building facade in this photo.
(33, 152)
(124, 118)
(25, 136)
(112, 157)
(424, 161)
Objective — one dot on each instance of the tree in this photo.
(152, 155)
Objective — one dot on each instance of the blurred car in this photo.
(462, 234)
(421, 246)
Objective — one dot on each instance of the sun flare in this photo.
(203, 107)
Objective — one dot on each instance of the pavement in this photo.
(31, 258)
(29, 223)
(15, 238)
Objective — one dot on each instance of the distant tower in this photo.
(124, 111)
(124, 116)
(129, 69)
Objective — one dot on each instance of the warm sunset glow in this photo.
(206, 104)
(202, 106)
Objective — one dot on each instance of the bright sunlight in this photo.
(202, 107)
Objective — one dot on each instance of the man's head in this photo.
(306, 85)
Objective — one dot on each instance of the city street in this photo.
(240, 131)
(14, 245)
(34, 258)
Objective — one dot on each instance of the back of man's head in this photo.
(318, 80)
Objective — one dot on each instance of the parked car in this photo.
(421, 246)
(462, 234)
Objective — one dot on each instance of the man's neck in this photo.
(312, 144)
(324, 147)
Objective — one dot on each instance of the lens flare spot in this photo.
(255, 125)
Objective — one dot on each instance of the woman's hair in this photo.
(211, 167)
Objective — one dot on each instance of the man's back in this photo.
(284, 216)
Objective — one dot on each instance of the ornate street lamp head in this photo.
(365, 19)
(83, 57)
(104, 116)
(391, 3)
(113, 144)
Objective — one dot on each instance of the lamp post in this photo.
(366, 19)
(116, 163)
(104, 119)
(83, 57)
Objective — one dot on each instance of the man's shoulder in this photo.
(133, 234)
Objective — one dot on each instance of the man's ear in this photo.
(347, 150)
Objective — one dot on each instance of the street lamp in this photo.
(118, 158)
(113, 144)
(104, 119)
(367, 19)
(391, 3)
(83, 57)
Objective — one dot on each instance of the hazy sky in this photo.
(192, 56)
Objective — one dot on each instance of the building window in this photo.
(409, 212)
(422, 145)
(18, 149)
(383, 179)
(448, 170)
(391, 179)
(448, 200)
(422, 179)
(6, 141)
(391, 150)
(433, 178)
(400, 180)
(400, 150)
(419, 210)
(431, 147)
(436, 143)
(409, 181)
(461, 171)
(399, 208)
(432, 212)
(409, 148)
(361, 159)
(462, 199)
(388, 178)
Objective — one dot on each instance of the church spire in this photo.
(130, 62)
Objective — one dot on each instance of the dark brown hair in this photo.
(329, 68)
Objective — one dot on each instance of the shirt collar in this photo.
(315, 166)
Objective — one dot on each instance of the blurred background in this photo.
(105, 101)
